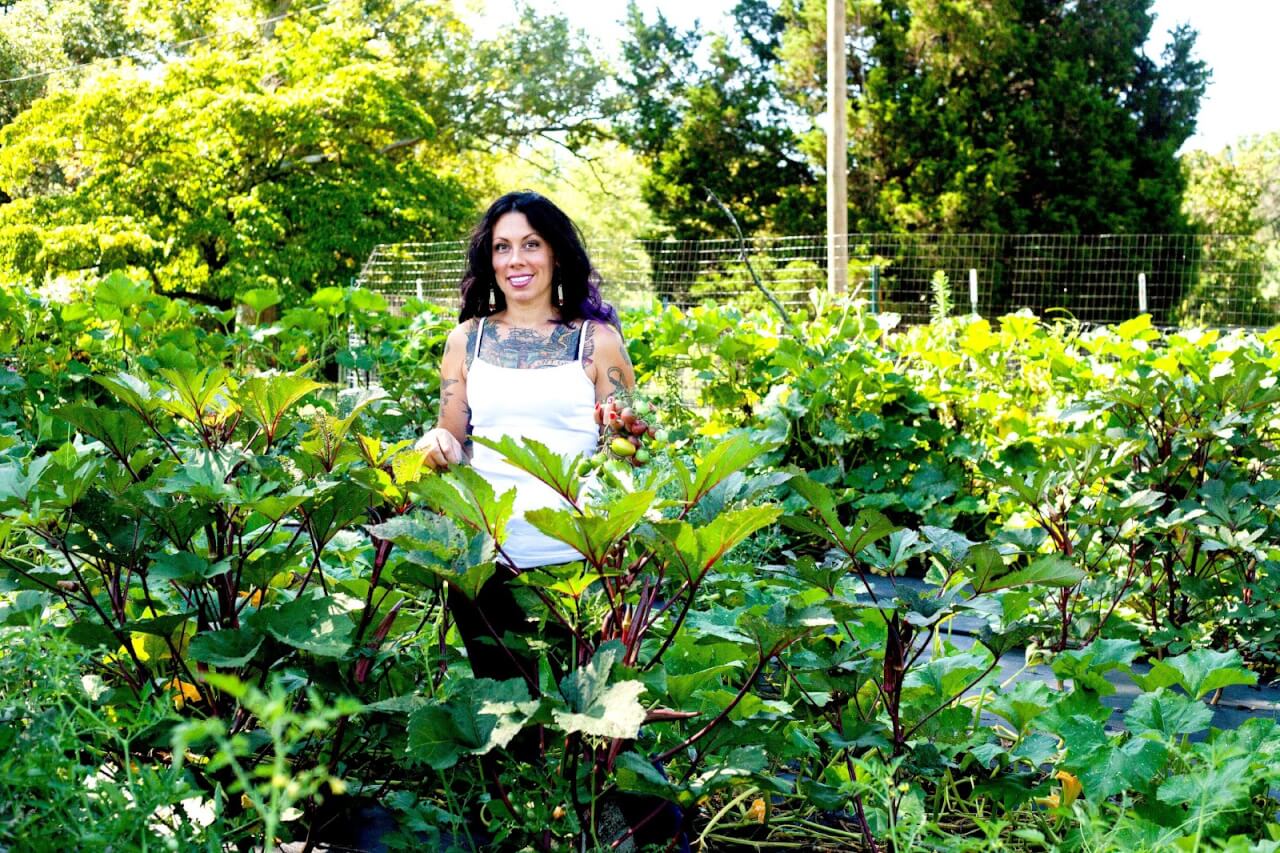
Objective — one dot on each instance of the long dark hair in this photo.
(579, 280)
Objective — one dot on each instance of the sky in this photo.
(1237, 38)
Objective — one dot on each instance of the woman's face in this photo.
(522, 261)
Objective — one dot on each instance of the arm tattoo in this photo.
(615, 378)
(445, 393)
(471, 342)
(529, 348)
(588, 345)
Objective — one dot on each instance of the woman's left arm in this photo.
(604, 354)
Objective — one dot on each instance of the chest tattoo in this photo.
(528, 348)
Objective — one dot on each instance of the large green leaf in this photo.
(316, 623)
(479, 716)
(131, 390)
(16, 485)
(540, 462)
(722, 460)
(868, 527)
(259, 299)
(120, 430)
(185, 567)
(117, 293)
(693, 551)
(1132, 766)
(783, 622)
(466, 497)
(1199, 672)
(231, 647)
(266, 399)
(158, 626)
(277, 506)
(193, 392)
(1022, 703)
(1210, 791)
(942, 679)
(1167, 713)
(205, 474)
(1107, 769)
(1047, 570)
(465, 569)
(596, 532)
(1087, 667)
(593, 705)
(333, 507)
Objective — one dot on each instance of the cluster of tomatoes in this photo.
(625, 426)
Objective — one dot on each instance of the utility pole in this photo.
(837, 156)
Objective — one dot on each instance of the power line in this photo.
(156, 51)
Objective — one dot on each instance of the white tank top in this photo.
(552, 405)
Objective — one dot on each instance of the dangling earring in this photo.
(559, 297)
(493, 298)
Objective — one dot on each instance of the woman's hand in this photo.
(442, 448)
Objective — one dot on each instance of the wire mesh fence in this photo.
(1181, 279)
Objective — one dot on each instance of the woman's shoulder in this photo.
(462, 337)
(604, 334)
(604, 344)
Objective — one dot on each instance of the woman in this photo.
(534, 350)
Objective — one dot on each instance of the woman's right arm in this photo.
(449, 442)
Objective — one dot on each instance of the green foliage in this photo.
(1236, 192)
(1083, 139)
(992, 117)
(75, 764)
(276, 159)
(719, 126)
(795, 622)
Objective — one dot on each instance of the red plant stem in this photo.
(675, 628)
(718, 718)
(382, 551)
(863, 825)
(640, 824)
(947, 703)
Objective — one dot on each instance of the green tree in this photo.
(38, 37)
(280, 151)
(1007, 115)
(718, 125)
(1234, 197)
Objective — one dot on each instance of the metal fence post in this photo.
(875, 289)
(973, 291)
(1142, 293)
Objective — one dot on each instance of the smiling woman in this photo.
(534, 351)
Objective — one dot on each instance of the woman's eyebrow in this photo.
(525, 237)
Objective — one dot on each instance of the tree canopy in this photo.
(717, 123)
(281, 151)
(1003, 115)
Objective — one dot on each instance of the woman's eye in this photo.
(500, 248)
(532, 244)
